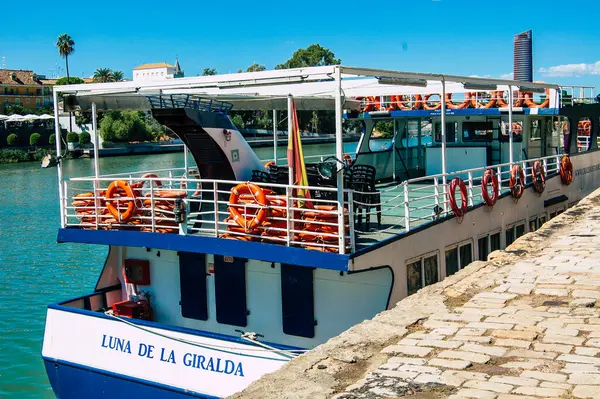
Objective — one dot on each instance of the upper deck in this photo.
(212, 207)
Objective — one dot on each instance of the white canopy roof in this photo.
(312, 88)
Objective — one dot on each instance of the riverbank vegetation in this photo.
(18, 155)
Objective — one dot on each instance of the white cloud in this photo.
(507, 76)
(572, 70)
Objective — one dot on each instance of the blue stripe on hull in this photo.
(72, 381)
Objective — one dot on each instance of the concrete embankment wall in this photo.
(537, 286)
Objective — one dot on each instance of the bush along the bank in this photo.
(14, 156)
(72, 137)
(34, 139)
(12, 139)
(84, 138)
(52, 139)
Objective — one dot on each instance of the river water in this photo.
(36, 271)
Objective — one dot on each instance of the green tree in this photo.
(256, 68)
(238, 121)
(12, 139)
(14, 109)
(74, 80)
(126, 126)
(34, 139)
(84, 138)
(52, 139)
(103, 75)
(118, 76)
(313, 55)
(209, 72)
(72, 137)
(66, 47)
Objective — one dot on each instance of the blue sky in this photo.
(464, 37)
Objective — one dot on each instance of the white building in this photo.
(157, 71)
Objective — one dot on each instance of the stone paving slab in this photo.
(524, 324)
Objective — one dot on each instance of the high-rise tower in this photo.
(523, 68)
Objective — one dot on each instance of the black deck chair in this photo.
(362, 181)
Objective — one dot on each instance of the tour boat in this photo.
(227, 268)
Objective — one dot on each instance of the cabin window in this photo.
(230, 290)
(584, 134)
(510, 236)
(533, 224)
(421, 272)
(458, 257)
(495, 242)
(192, 277)
(478, 131)
(541, 221)
(482, 247)
(451, 128)
(536, 130)
(297, 300)
(517, 129)
(382, 135)
(519, 230)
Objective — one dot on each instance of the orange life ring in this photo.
(259, 197)
(269, 164)
(140, 184)
(528, 99)
(457, 182)
(501, 103)
(405, 104)
(517, 181)
(371, 104)
(110, 193)
(433, 107)
(348, 159)
(489, 177)
(584, 128)
(566, 170)
(465, 104)
(490, 104)
(538, 175)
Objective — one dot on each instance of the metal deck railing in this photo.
(170, 201)
(189, 101)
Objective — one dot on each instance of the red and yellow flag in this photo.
(296, 158)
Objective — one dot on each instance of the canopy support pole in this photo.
(443, 122)
(96, 142)
(185, 160)
(275, 144)
(339, 153)
(290, 138)
(510, 125)
(394, 150)
(58, 141)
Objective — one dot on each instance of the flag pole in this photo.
(339, 152)
(290, 121)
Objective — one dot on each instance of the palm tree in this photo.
(103, 75)
(117, 76)
(66, 47)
